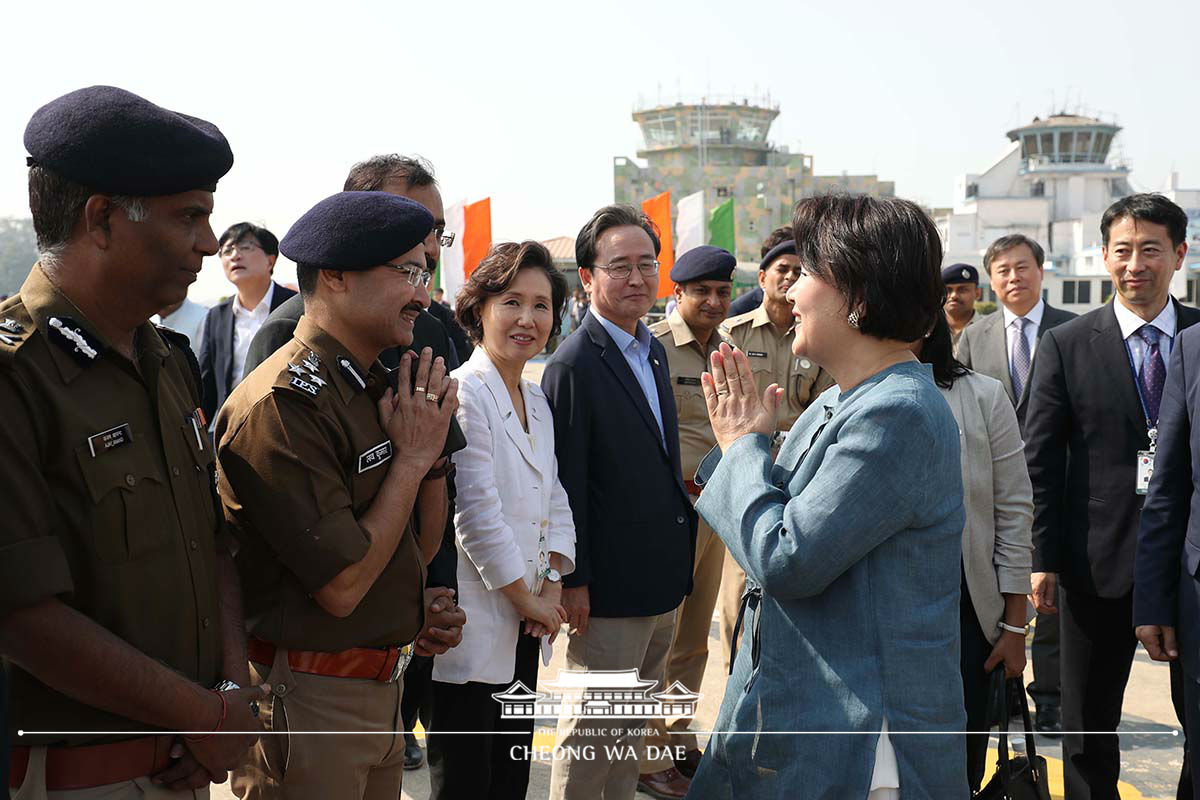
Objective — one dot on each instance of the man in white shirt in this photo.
(186, 317)
(1002, 345)
(248, 254)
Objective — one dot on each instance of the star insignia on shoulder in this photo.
(296, 369)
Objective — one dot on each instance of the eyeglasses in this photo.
(245, 247)
(416, 276)
(623, 271)
(444, 239)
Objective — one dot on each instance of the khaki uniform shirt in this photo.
(772, 360)
(687, 361)
(108, 499)
(301, 456)
(956, 335)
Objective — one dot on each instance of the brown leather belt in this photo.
(693, 488)
(383, 664)
(95, 765)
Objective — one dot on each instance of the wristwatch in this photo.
(553, 575)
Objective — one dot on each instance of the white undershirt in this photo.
(245, 324)
(885, 778)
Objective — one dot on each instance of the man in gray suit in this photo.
(1003, 345)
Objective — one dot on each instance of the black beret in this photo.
(704, 263)
(785, 248)
(357, 230)
(113, 141)
(960, 273)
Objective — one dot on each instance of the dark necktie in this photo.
(1021, 360)
(1154, 372)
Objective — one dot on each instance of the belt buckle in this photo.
(403, 657)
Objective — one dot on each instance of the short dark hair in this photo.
(56, 204)
(884, 256)
(372, 174)
(306, 279)
(614, 216)
(1148, 207)
(242, 230)
(938, 351)
(781, 234)
(1006, 243)
(496, 272)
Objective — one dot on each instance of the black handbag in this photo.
(1015, 778)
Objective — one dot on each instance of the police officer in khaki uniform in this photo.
(765, 335)
(962, 293)
(703, 289)
(333, 479)
(119, 608)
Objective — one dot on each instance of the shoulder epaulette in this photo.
(303, 373)
(15, 328)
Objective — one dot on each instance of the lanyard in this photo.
(1151, 426)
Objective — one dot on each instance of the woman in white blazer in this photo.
(516, 537)
(997, 544)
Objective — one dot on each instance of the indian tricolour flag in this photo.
(471, 224)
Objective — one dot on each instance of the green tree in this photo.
(18, 252)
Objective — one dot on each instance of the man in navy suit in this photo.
(1094, 411)
(1166, 592)
(248, 254)
(617, 441)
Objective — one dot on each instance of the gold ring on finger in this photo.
(419, 389)
(431, 397)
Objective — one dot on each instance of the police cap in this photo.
(357, 231)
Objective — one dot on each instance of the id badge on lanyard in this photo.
(1145, 463)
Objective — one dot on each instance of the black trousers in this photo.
(974, 651)
(417, 702)
(480, 765)
(1046, 688)
(1098, 645)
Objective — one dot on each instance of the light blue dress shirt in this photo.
(637, 354)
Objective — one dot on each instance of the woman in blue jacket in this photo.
(846, 682)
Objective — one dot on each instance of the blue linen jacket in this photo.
(856, 545)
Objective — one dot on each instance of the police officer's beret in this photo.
(113, 141)
(960, 273)
(356, 231)
(704, 263)
(785, 248)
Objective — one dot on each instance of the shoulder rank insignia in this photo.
(8, 340)
(305, 386)
(314, 378)
(68, 335)
(350, 373)
(10, 325)
(296, 370)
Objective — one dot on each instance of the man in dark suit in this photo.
(412, 178)
(1002, 345)
(1093, 412)
(1166, 593)
(617, 440)
(248, 254)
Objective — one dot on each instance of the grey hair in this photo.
(57, 203)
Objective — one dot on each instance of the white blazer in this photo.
(512, 512)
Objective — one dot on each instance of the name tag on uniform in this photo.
(375, 456)
(685, 381)
(1145, 471)
(756, 354)
(104, 441)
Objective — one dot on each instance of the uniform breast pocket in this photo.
(690, 404)
(130, 502)
(764, 376)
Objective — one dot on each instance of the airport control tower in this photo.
(721, 146)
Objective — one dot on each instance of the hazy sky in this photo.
(529, 102)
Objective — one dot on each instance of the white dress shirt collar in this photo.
(1034, 315)
(1131, 323)
(260, 311)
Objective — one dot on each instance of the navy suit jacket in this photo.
(635, 528)
(216, 351)
(1083, 430)
(1165, 589)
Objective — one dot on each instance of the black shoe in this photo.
(414, 756)
(1048, 722)
(688, 764)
